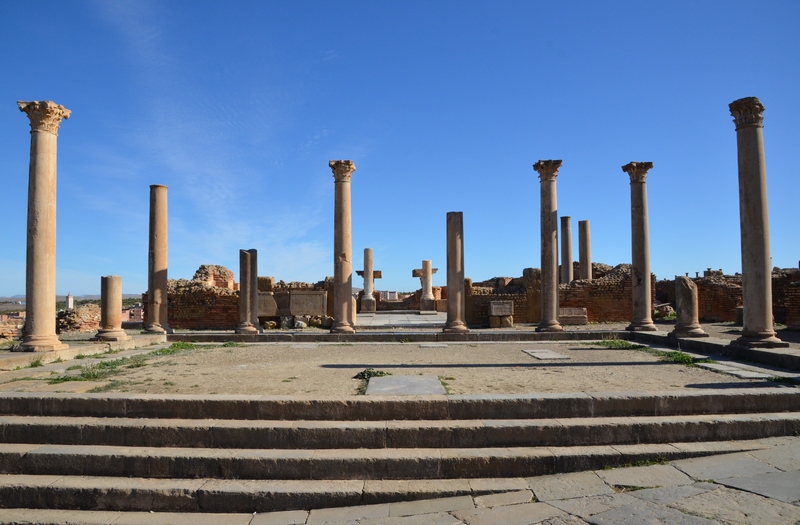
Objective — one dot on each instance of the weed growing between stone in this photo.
(616, 344)
(36, 363)
(365, 375)
(444, 380)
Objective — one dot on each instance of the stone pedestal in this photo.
(368, 303)
(343, 301)
(40, 271)
(246, 293)
(640, 248)
(111, 310)
(687, 324)
(427, 301)
(456, 295)
(548, 171)
(566, 250)
(585, 250)
(157, 296)
(757, 328)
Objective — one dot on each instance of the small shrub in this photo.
(36, 363)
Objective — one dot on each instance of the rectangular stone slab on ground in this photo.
(545, 354)
(405, 385)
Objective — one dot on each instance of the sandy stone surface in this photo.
(327, 369)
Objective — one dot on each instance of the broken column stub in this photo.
(40, 270)
(640, 248)
(757, 326)
(687, 323)
(456, 293)
(343, 301)
(548, 171)
(111, 310)
(427, 301)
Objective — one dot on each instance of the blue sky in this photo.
(442, 105)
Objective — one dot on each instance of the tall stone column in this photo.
(456, 295)
(368, 304)
(640, 251)
(757, 329)
(585, 250)
(548, 171)
(40, 271)
(566, 249)
(157, 297)
(254, 289)
(111, 310)
(246, 293)
(343, 311)
(687, 323)
(427, 301)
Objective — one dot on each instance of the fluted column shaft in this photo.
(343, 313)
(585, 250)
(456, 294)
(757, 330)
(566, 249)
(548, 171)
(157, 296)
(40, 279)
(111, 310)
(640, 248)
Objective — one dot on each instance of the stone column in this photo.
(585, 250)
(343, 313)
(566, 250)
(254, 289)
(40, 271)
(368, 304)
(157, 298)
(246, 293)
(456, 296)
(111, 310)
(640, 251)
(427, 301)
(687, 323)
(757, 329)
(548, 171)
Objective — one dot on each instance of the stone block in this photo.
(266, 284)
(573, 316)
(507, 321)
(267, 306)
(307, 302)
(494, 322)
(501, 308)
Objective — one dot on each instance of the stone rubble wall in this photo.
(11, 329)
(608, 298)
(792, 302)
(84, 318)
(197, 305)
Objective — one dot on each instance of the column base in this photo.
(342, 328)
(368, 305)
(41, 344)
(754, 341)
(642, 326)
(551, 326)
(456, 327)
(155, 328)
(427, 305)
(687, 333)
(111, 335)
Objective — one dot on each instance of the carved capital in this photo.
(637, 170)
(548, 169)
(747, 112)
(44, 115)
(342, 169)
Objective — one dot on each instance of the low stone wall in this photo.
(477, 305)
(195, 305)
(11, 329)
(792, 302)
(84, 318)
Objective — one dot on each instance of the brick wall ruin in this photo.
(84, 318)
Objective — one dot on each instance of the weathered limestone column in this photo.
(585, 250)
(566, 249)
(687, 323)
(757, 329)
(40, 271)
(254, 289)
(368, 303)
(246, 293)
(427, 301)
(111, 310)
(640, 242)
(548, 171)
(456, 296)
(343, 310)
(157, 298)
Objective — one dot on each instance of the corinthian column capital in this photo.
(548, 169)
(637, 170)
(45, 115)
(747, 112)
(342, 169)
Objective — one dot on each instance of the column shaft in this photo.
(585, 250)
(640, 248)
(254, 289)
(157, 295)
(343, 311)
(687, 323)
(111, 310)
(566, 250)
(245, 325)
(40, 279)
(368, 303)
(548, 171)
(456, 296)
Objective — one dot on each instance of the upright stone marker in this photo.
(368, 303)
(157, 296)
(456, 296)
(687, 323)
(585, 250)
(640, 248)
(40, 270)
(757, 330)
(111, 310)
(566, 249)
(427, 301)
(548, 171)
(246, 292)
(343, 310)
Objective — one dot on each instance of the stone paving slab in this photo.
(739, 508)
(783, 457)
(288, 517)
(722, 467)
(591, 505)
(439, 518)
(546, 355)
(667, 495)
(405, 386)
(506, 498)
(343, 514)
(643, 513)
(783, 486)
(430, 506)
(649, 476)
(523, 514)
(565, 486)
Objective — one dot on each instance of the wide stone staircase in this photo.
(227, 454)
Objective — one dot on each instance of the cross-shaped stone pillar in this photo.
(368, 303)
(427, 302)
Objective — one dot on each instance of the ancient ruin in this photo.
(548, 171)
(157, 316)
(343, 308)
(455, 274)
(566, 249)
(427, 301)
(111, 310)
